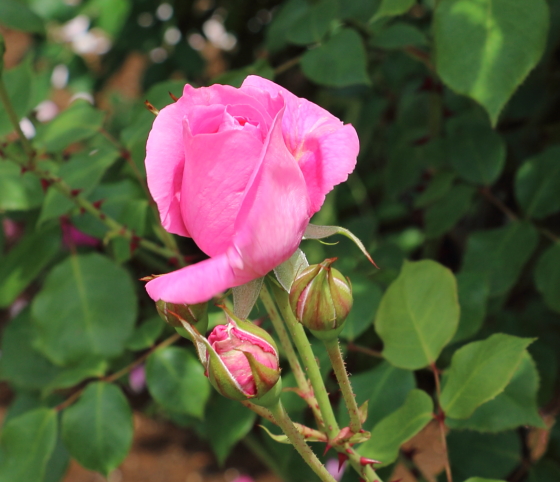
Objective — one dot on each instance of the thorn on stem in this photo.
(341, 459)
(327, 448)
(365, 461)
(45, 184)
(175, 99)
(75, 192)
(134, 243)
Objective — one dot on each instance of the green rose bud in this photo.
(195, 315)
(321, 299)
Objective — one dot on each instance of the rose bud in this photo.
(196, 315)
(242, 360)
(321, 299)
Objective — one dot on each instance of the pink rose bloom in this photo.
(241, 171)
(231, 344)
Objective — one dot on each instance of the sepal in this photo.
(313, 231)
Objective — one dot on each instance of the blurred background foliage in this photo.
(457, 106)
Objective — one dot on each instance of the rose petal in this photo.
(227, 95)
(275, 209)
(217, 169)
(196, 283)
(274, 213)
(165, 159)
(325, 148)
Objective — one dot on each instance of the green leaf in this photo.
(83, 172)
(486, 48)
(399, 35)
(19, 85)
(97, 430)
(17, 15)
(492, 456)
(439, 186)
(547, 277)
(260, 67)
(473, 296)
(118, 199)
(480, 479)
(394, 430)
(477, 153)
(87, 306)
(110, 15)
(367, 296)
(227, 422)
(288, 270)
(536, 184)
(245, 297)
(88, 367)
(418, 314)
(77, 123)
(21, 364)
(146, 334)
(339, 62)
(385, 388)
(26, 444)
(479, 372)
(25, 261)
(58, 463)
(514, 407)
(18, 192)
(500, 254)
(446, 212)
(176, 380)
(314, 23)
(288, 13)
(392, 8)
(546, 470)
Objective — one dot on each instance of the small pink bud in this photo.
(321, 298)
(245, 360)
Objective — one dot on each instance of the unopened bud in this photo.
(243, 361)
(195, 315)
(321, 299)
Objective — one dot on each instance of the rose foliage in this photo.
(280, 135)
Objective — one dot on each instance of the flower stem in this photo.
(337, 362)
(441, 423)
(283, 420)
(4, 98)
(306, 432)
(304, 348)
(301, 380)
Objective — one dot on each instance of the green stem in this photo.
(111, 223)
(301, 380)
(167, 238)
(299, 444)
(367, 472)
(28, 148)
(304, 348)
(62, 187)
(337, 362)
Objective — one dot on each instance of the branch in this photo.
(123, 371)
